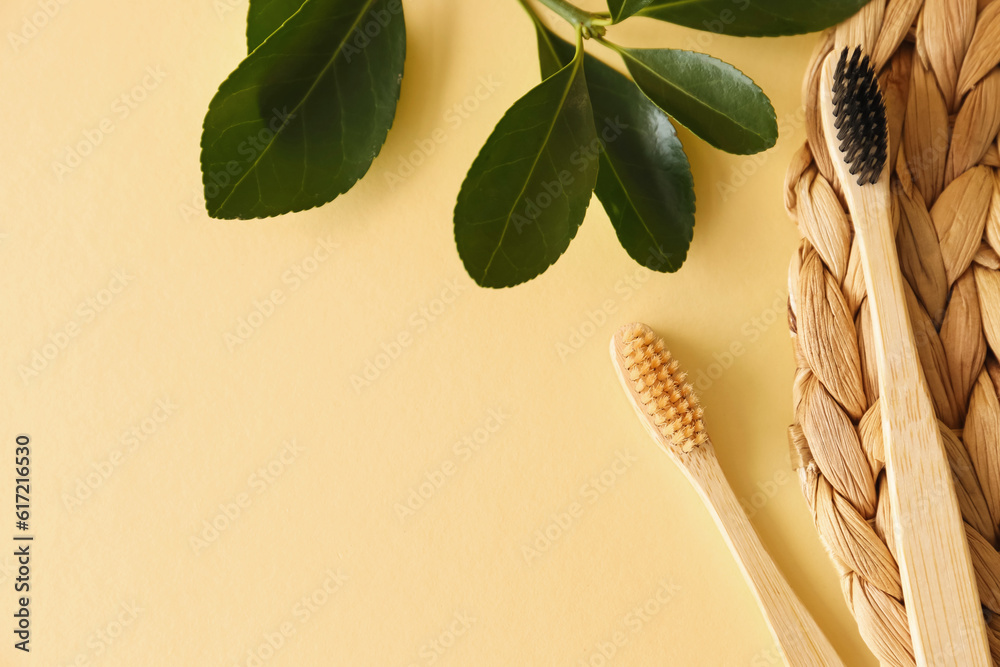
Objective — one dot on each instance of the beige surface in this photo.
(530, 363)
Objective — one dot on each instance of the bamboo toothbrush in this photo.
(668, 408)
(939, 589)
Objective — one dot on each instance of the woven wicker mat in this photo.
(938, 70)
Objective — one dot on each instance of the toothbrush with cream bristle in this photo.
(668, 408)
(939, 586)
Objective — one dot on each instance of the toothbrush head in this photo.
(658, 387)
(859, 110)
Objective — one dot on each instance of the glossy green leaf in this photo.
(528, 190)
(303, 116)
(266, 16)
(644, 182)
(711, 98)
(622, 9)
(754, 18)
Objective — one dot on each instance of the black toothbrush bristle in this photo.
(859, 111)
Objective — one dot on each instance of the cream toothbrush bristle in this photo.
(661, 386)
(668, 407)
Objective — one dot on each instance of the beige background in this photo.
(117, 518)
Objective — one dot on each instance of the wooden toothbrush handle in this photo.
(801, 642)
(939, 585)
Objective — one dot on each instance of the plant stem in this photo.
(590, 24)
(610, 45)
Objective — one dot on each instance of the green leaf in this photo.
(711, 98)
(622, 9)
(528, 190)
(303, 116)
(644, 182)
(266, 16)
(754, 18)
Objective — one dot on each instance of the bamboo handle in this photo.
(939, 588)
(801, 642)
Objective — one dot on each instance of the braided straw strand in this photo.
(938, 63)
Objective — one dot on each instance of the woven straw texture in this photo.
(937, 62)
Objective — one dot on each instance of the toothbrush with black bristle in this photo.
(939, 586)
(668, 407)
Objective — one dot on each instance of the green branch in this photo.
(590, 24)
